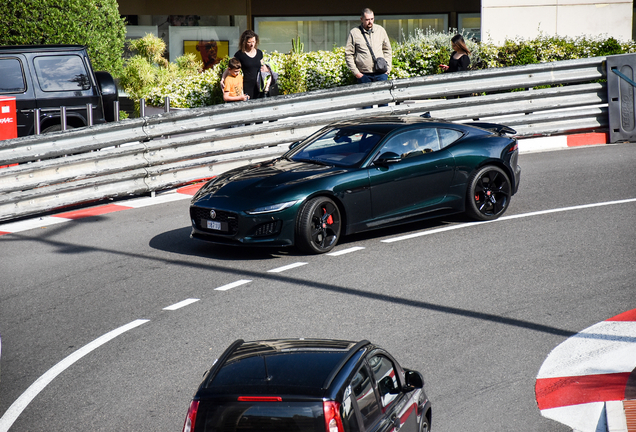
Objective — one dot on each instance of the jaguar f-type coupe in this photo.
(361, 175)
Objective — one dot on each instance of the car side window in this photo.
(362, 389)
(61, 73)
(448, 136)
(384, 375)
(12, 78)
(348, 413)
(413, 143)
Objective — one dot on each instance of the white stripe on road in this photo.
(524, 215)
(25, 399)
(346, 251)
(232, 285)
(181, 304)
(287, 267)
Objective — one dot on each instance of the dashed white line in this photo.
(287, 267)
(181, 304)
(346, 251)
(23, 401)
(232, 285)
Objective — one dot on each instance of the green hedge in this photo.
(420, 54)
(94, 23)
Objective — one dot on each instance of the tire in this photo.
(318, 226)
(56, 128)
(425, 425)
(488, 194)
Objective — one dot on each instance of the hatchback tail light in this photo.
(188, 426)
(333, 421)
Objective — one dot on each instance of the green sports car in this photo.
(360, 175)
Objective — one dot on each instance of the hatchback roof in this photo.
(289, 366)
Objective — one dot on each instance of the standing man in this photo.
(357, 55)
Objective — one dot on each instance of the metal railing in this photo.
(143, 155)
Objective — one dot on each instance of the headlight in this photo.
(271, 208)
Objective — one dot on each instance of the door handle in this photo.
(397, 424)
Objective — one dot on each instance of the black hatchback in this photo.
(308, 385)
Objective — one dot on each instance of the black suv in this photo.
(51, 76)
(308, 385)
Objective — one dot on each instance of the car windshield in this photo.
(344, 147)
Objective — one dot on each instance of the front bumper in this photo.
(240, 228)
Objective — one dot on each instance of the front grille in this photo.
(267, 229)
(200, 215)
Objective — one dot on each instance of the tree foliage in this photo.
(94, 23)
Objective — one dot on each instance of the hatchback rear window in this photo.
(261, 416)
(12, 77)
(62, 73)
(294, 369)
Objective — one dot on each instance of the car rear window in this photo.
(61, 73)
(260, 416)
(12, 78)
(290, 369)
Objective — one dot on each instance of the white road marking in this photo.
(232, 285)
(23, 401)
(159, 199)
(181, 304)
(287, 267)
(503, 218)
(14, 227)
(346, 251)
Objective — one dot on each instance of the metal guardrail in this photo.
(138, 156)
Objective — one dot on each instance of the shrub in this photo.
(94, 23)
(420, 54)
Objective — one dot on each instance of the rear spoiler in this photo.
(494, 127)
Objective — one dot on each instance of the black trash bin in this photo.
(621, 92)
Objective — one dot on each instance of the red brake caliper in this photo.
(329, 219)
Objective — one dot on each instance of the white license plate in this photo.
(214, 225)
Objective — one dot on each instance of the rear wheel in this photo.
(488, 193)
(56, 128)
(318, 226)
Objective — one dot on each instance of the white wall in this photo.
(501, 19)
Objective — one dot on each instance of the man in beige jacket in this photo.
(357, 54)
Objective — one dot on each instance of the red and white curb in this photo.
(527, 145)
(183, 193)
(583, 381)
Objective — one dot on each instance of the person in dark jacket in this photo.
(459, 59)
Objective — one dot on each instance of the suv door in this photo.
(65, 80)
(16, 82)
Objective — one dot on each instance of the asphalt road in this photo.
(475, 309)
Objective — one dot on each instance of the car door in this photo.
(398, 408)
(16, 82)
(417, 182)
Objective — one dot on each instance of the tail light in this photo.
(514, 147)
(188, 426)
(260, 399)
(333, 421)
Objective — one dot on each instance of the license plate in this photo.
(214, 225)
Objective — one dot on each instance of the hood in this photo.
(258, 179)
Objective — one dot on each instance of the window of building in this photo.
(325, 33)
(470, 25)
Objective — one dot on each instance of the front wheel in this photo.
(488, 194)
(318, 226)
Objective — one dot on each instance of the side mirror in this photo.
(414, 380)
(294, 144)
(387, 158)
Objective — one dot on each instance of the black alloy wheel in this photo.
(318, 226)
(488, 194)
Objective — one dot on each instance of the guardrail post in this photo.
(89, 114)
(116, 110)
(142, 107)
(166, 105)
(63, 117)
(36, 121)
